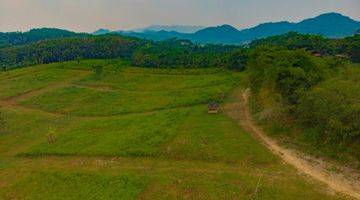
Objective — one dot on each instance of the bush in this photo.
(288, 72)
(333, 108)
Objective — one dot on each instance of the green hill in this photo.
(132, 133)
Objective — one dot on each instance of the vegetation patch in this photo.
(181, 134)
(89, 102)
(147, 82)
(317, 96)
(19, 84)
(150, 125)
(77, 185)
(136, 135)
(117, 92)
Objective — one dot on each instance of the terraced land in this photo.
(134, 133)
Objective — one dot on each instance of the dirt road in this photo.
(345, 181)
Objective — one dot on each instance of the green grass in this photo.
(23, 129)
(108, 145)
(136, 135)
(90, 102)
(18, 83)
(78, 185)
(215, 138)
(123, 90)
(179, 134)
(157, 82)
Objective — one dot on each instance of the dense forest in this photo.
(307, 80)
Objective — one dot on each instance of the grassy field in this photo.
(134, 134)
(12, 85)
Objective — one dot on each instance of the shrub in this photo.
(288, 72)
(333, 108)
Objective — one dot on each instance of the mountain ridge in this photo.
(169, 28)
(332, 25)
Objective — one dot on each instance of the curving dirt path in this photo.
(345, 181)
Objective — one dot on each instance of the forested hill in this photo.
(34, 35)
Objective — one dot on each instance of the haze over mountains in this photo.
(332, 25)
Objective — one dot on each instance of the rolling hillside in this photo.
(133, 133)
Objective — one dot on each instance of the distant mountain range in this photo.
(155, 28)
(332, 25)
(176, 28)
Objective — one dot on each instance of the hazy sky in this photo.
(89, 15)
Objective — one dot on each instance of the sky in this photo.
(90, 15)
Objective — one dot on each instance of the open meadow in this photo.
(125, 132)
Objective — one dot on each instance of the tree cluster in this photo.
(321, 94)
(67, 49)
(347, 47)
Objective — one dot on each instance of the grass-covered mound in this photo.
(121, 89)
(91, 102)
(187, 133)
(145, 137)
(13, 83)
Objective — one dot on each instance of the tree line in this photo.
(168, 53)
(67, 49)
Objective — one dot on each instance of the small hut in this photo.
(316, 54)
(340, 56)
(213, 108)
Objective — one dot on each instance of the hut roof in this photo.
(213, 105)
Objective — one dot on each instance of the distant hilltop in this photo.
(176, 28)
(331, 25)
